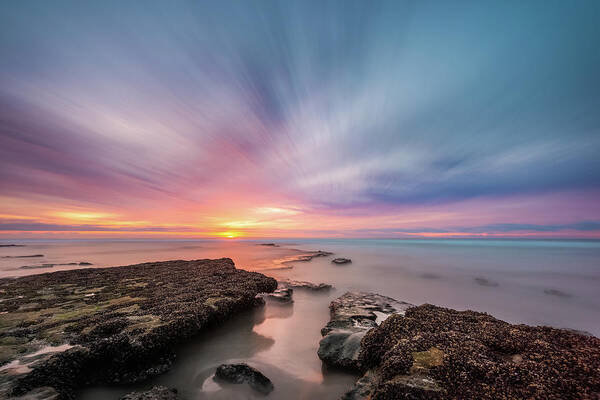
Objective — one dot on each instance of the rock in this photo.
(43, 393)
(352, 315)
(156, 393)
(556, 292)
(12, 245)
(28, 256)
(269, 244)
(433, 352)
(341, 260)
(243, 373)
(485, 282)
(308, 256)
(37, 266)
(124, 321)
(363, 387)
(305, 285)
(282, 294)
(85, 263)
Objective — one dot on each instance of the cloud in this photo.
(207, 106)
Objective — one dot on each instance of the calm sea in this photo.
(537, 282)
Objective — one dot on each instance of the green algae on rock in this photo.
(434, 352)
(119, 323)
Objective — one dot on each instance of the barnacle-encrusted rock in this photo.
(352, 315)
(434, 352)
(156, 393)
(122, 322)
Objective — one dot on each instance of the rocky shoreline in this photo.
(65, 330)
(115, 325)
(430, 352)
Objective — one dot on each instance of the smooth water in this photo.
(538, 282)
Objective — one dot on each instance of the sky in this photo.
(299, 119)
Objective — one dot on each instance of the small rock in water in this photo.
(341, 260)
(556, 292)
(305, 285)
(243, 373)
(282, 294)
(156, 393)
(269, 244)
(85, 263)
(485, 282)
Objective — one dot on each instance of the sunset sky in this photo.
(299, 119)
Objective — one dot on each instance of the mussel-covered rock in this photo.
(112, 325)
(433, 352)
(156, 393)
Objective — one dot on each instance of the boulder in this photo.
(243, 373)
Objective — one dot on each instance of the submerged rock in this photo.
(124, 320)
(305, 285)
(28, 256)
(485, 282)
(352, 315)
(156, 393)
(556, 292)
(433, 352)
(308, 256)
(341, 260)
(243, 373)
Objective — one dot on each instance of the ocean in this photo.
(536, 282)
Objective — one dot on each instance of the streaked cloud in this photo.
(330, 117)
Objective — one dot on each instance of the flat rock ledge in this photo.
(156, 393)
(243, 373)
(437, 353)
(352, 315)
(115, 325)
(318, 287)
